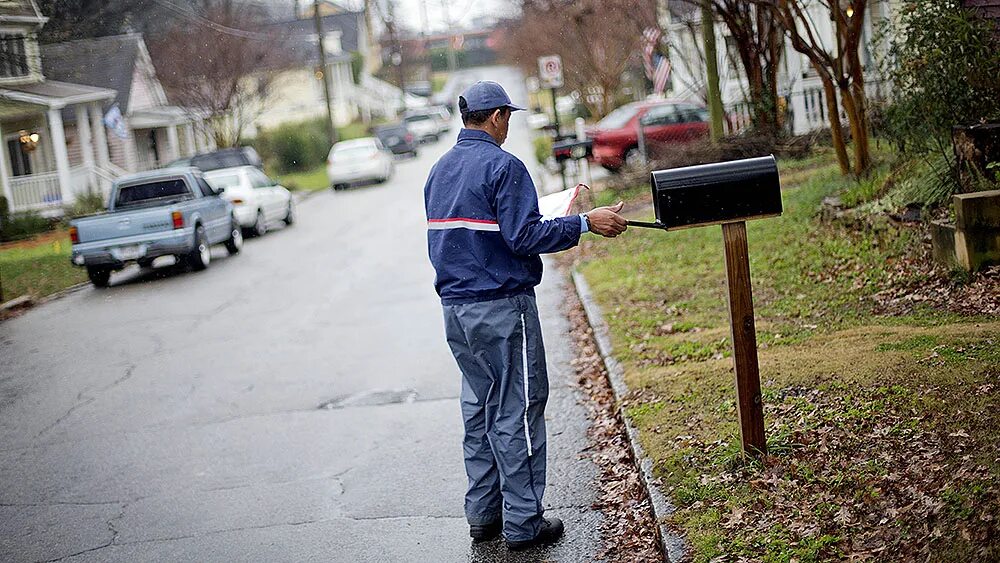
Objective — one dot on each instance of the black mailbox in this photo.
(722, 192)
(572, 149)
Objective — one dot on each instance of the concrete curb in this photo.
(33, 303)
(672, 544)
(304, 195)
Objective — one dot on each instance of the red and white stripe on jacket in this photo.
(463, 223)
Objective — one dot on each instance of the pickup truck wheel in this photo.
(259, 225)
(235, 242)
(100, 277)
(201, 255)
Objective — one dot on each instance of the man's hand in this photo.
(606, 221)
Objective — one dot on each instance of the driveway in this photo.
(295, 403)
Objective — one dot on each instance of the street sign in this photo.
(550, 71)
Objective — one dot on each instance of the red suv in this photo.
(616, 137)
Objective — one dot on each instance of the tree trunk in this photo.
(833, 116)
(715, 109)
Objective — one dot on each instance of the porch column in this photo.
(175, 146)
(131, 149)
(192, 149)
(100, 134)
(5, 175)
(58, 136)
(86, 142)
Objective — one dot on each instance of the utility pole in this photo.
(318, 20)
(452, 62)
(715, 108)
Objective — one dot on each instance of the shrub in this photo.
(22, 225)
(543, 148)
(294, 146)
(303, 145)
(86, 204)
(943, 63)
(4, 213)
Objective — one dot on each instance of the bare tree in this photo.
(220, 65)
(839, 69)
(597, 40)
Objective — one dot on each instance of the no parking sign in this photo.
(550, 71)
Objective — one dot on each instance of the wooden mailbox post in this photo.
(727, 193)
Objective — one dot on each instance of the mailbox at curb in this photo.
(727, 193)
(710, 194)
(572, 149)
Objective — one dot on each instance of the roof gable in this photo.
(106, 62)
(346, 23)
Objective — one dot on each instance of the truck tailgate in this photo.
(123, 224)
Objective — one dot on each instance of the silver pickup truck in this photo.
(160, 213)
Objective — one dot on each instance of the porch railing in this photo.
(42, 193)
(35, 192)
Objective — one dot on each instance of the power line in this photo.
(198, 18)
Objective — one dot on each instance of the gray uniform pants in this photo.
(498, 347)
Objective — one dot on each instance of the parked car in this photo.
(159, 213)
(616, 137)
(222, 158)
(538, 120)
(258, 201)
(423, 126)
(358, 160)
(443, 117)
(397, 138)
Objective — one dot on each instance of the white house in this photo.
(798, 83)
(153, 132)
(296, 92)
(53, 104)
(36, 171)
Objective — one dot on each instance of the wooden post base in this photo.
(744, 335)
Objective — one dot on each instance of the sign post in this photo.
(550, 74)
(727, 194)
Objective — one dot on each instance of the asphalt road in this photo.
(297, 402)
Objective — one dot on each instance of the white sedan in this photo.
(258, 201)
(358, 160)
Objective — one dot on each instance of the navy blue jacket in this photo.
(484, 231)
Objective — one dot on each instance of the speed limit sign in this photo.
(550, 71)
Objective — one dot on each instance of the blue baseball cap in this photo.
(487, 95)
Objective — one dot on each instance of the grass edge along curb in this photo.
(672, 545)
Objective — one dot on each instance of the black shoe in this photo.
(550, 532)
(485, 532)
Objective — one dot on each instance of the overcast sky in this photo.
(460, 12)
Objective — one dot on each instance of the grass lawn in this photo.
(881, 428)
(310, 180)
(38, 267)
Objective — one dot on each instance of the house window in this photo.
(13, 59)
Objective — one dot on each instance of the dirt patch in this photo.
(60, 236)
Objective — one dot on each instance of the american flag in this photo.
(661, 75)
(649, 39)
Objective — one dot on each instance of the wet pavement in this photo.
(295, 403)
